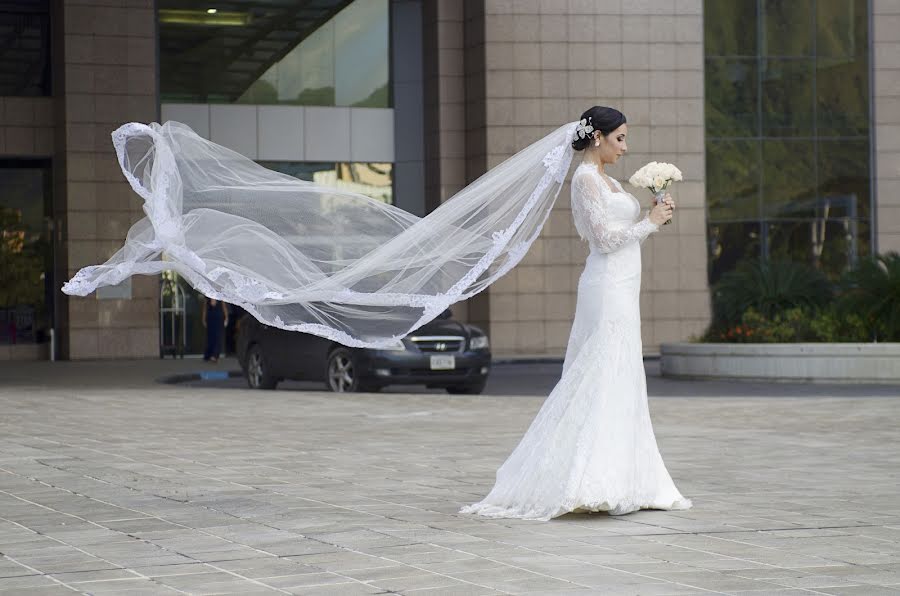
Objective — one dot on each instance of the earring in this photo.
(596, 143)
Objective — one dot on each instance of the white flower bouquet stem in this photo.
(656, 177)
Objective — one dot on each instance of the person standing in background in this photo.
(215, 318)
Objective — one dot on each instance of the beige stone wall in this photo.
(886, 101)
(105, 75)
(546, 62)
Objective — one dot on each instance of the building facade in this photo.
(784, 118)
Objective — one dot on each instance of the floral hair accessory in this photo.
(584, 128)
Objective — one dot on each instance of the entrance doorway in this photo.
(26, 258)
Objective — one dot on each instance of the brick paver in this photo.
(153, 489)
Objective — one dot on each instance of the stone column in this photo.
(445, 111)
(105, 74)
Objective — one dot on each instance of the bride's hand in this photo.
(662, 212)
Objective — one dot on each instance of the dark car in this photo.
(443, 353)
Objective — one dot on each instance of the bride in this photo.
(364, 273)
(591, 446)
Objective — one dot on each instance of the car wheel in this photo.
(258, 373)
(466, 389)
(342, 374)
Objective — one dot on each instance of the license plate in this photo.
(443, 362)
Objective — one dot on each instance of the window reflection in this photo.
(841, 28)
(844, 177)
(26, 287)
(361, 49)
(370, 179)
(726, 27)
(842, 97)
(787, 97)
(787, 125)
(789, 178)
(788, 28)
(729, 244)
(829, 243)
(731, 96)
(25, 58)
(302, 56)
(732, 179)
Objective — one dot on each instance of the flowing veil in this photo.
(321, 260)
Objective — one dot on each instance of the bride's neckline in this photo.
(604, 176)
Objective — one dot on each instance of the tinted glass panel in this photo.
(731, 96)
(371, 179)
(361, 54)
(832, 244)
(729, 244)
(787, 127)
(732, 176)
(842, 97)
(26, 288)
(25, 48)
(841, 28)
(787, 97)
(788, 27)
(843, 172)
(730, 27)
(789, 178)
(328, 53)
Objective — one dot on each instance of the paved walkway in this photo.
(113, 484)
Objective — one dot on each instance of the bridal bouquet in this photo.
(656, 177)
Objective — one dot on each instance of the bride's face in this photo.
(613, 145)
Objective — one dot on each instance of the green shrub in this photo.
(871, 292)
(788, 302)
(768, 289)
(831, 325)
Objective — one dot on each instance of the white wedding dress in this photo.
(592, 447)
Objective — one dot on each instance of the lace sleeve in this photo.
(591, 217)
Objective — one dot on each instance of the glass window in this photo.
(314, 55)
(26, 287)
(361, 54)
(729, 27)
(25, 58)
(732, 180)
(305, 76)
(788, 179)
(842, 97)
(841, 28)
(843, 175)
(788, 28)
(729, 244)
(786, 87)
(371, 179)
(731, 96)
(787, 131)
(832, 244)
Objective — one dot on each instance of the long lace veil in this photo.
(321, 260)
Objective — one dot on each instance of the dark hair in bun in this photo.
(600, 118)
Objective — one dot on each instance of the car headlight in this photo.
(395, 346)
(479, 343)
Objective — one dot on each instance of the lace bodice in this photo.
(606, 217)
